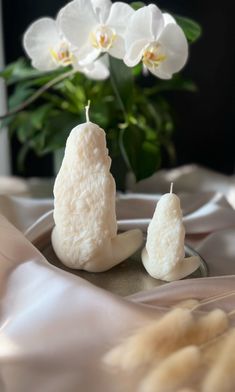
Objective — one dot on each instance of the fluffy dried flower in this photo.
(173, 372)
(221, 377)
(152, 342)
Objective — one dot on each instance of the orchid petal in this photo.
(88, 55)
(45, 63)
(119, 17)
(172, 64)
(105, 60)
(159, 72)
(175, 46)
(168, 19)
(42, 36)
(98, 71)
(157, 20)
(140, 26)
(77, 20)
(134, 54)
(102, 9)
(118, 50)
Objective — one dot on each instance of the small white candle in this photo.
(164, 255)
(85, 234)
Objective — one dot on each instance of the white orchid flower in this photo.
(96, 27)
(48, 49)
(46, 46)
(157, 40)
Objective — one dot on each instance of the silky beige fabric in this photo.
(55, 327)
(11, 185)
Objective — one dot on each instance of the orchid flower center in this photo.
(62, 55)
(102, 38)
(153, 55)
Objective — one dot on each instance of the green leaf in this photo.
(29, 126)
(19, 95)
(191, 29)
(23, 127)
(137, 5)
(58, 128)
(39, 115)
(122, 82)
(21, 156)
(142, 156)
(38, 143)
(138, 69)
(21, 70)
(43, 78)
(99, 114)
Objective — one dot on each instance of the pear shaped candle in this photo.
(85, 233)
(164, 256)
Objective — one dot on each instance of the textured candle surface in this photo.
(85, 233)
(163, 256)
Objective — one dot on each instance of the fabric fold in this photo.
(55, 327)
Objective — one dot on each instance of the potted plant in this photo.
(120, 57)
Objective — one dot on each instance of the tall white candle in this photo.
(85, 234)
(164, 255)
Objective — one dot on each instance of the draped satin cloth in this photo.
(55, 327)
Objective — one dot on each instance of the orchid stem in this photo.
(118, 96)
(38, 93)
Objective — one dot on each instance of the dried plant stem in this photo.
(213, 299)
(38, 93)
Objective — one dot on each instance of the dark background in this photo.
(205, 120)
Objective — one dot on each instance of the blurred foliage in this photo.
(138, 120)
(191, 29)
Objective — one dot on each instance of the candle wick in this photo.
(87, 108)
(171, 188)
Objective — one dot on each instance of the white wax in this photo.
(164, 255)
(85, 233)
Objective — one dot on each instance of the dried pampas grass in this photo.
(152, 342)
(173, 372)
(207, 327)
(221, 378)
(175, 330)
(181, 351)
